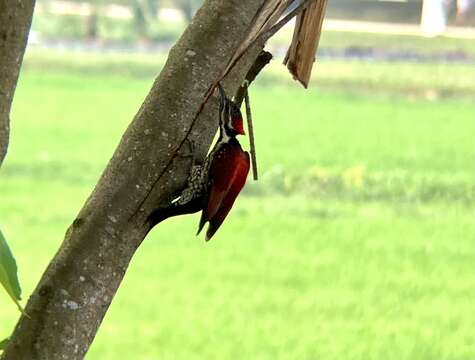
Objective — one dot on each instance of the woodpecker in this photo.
(213, 186)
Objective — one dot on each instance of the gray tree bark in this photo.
(147, 170)
(15, 22)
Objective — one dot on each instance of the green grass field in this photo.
(356, 244)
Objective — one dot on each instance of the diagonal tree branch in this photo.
(145, 172)
(15, 21)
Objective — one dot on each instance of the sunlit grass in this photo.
(408, 79)
(295, 272)
(388, 42)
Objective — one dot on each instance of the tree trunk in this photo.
(15, 22)
(146, 171)
(92, 20)
(433, 17)
(140, 20)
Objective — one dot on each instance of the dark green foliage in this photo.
(8, 272)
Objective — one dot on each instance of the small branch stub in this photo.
(261, 61)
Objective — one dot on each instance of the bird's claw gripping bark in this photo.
(196, 165)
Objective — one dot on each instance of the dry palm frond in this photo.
(301, 54)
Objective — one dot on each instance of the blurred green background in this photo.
(356, 243)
